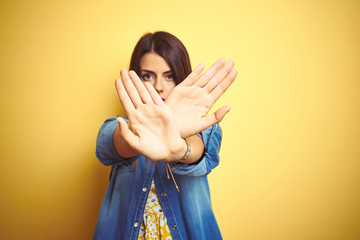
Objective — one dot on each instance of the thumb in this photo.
(126, 133)
(216, 117)
(220, 113)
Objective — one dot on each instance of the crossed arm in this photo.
(156, 129)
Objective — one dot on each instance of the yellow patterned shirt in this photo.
(154, 224)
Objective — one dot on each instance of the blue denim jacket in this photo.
(188, 212)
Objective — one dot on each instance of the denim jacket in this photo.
(189, 213)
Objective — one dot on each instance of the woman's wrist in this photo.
(181, 153)
(187, 153)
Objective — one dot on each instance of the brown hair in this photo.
(167, 46)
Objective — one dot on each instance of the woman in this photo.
(161, 152)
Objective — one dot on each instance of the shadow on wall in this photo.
(85, 204)
(98, 182)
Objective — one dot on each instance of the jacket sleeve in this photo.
(105, 149)
(210, 158)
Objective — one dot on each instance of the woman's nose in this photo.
(159, 87)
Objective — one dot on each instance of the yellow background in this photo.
(290, 157)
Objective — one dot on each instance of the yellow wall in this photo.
(291, 148)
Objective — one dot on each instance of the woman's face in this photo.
(155, 70)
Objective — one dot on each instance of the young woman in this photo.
(161, 152)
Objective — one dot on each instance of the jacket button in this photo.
(174, 227)
(144, 189)
(136, 224)
(163, 194)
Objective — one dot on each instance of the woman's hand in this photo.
(152, 130)
(192, 99)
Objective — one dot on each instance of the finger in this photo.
(126, 134)
(130, 88)
(153, 93)
(216, 117)
(123, 96)
(219, 76)
(141, 89)
(224, 85)
(220, 113)
(189, 80)
(209, 73)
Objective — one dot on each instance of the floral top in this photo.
(154, 225)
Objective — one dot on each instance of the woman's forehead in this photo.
(154, 62)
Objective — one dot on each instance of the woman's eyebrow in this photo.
(151, 72)
(147, 71)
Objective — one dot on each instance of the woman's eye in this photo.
(146, 77)
(170, 77)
